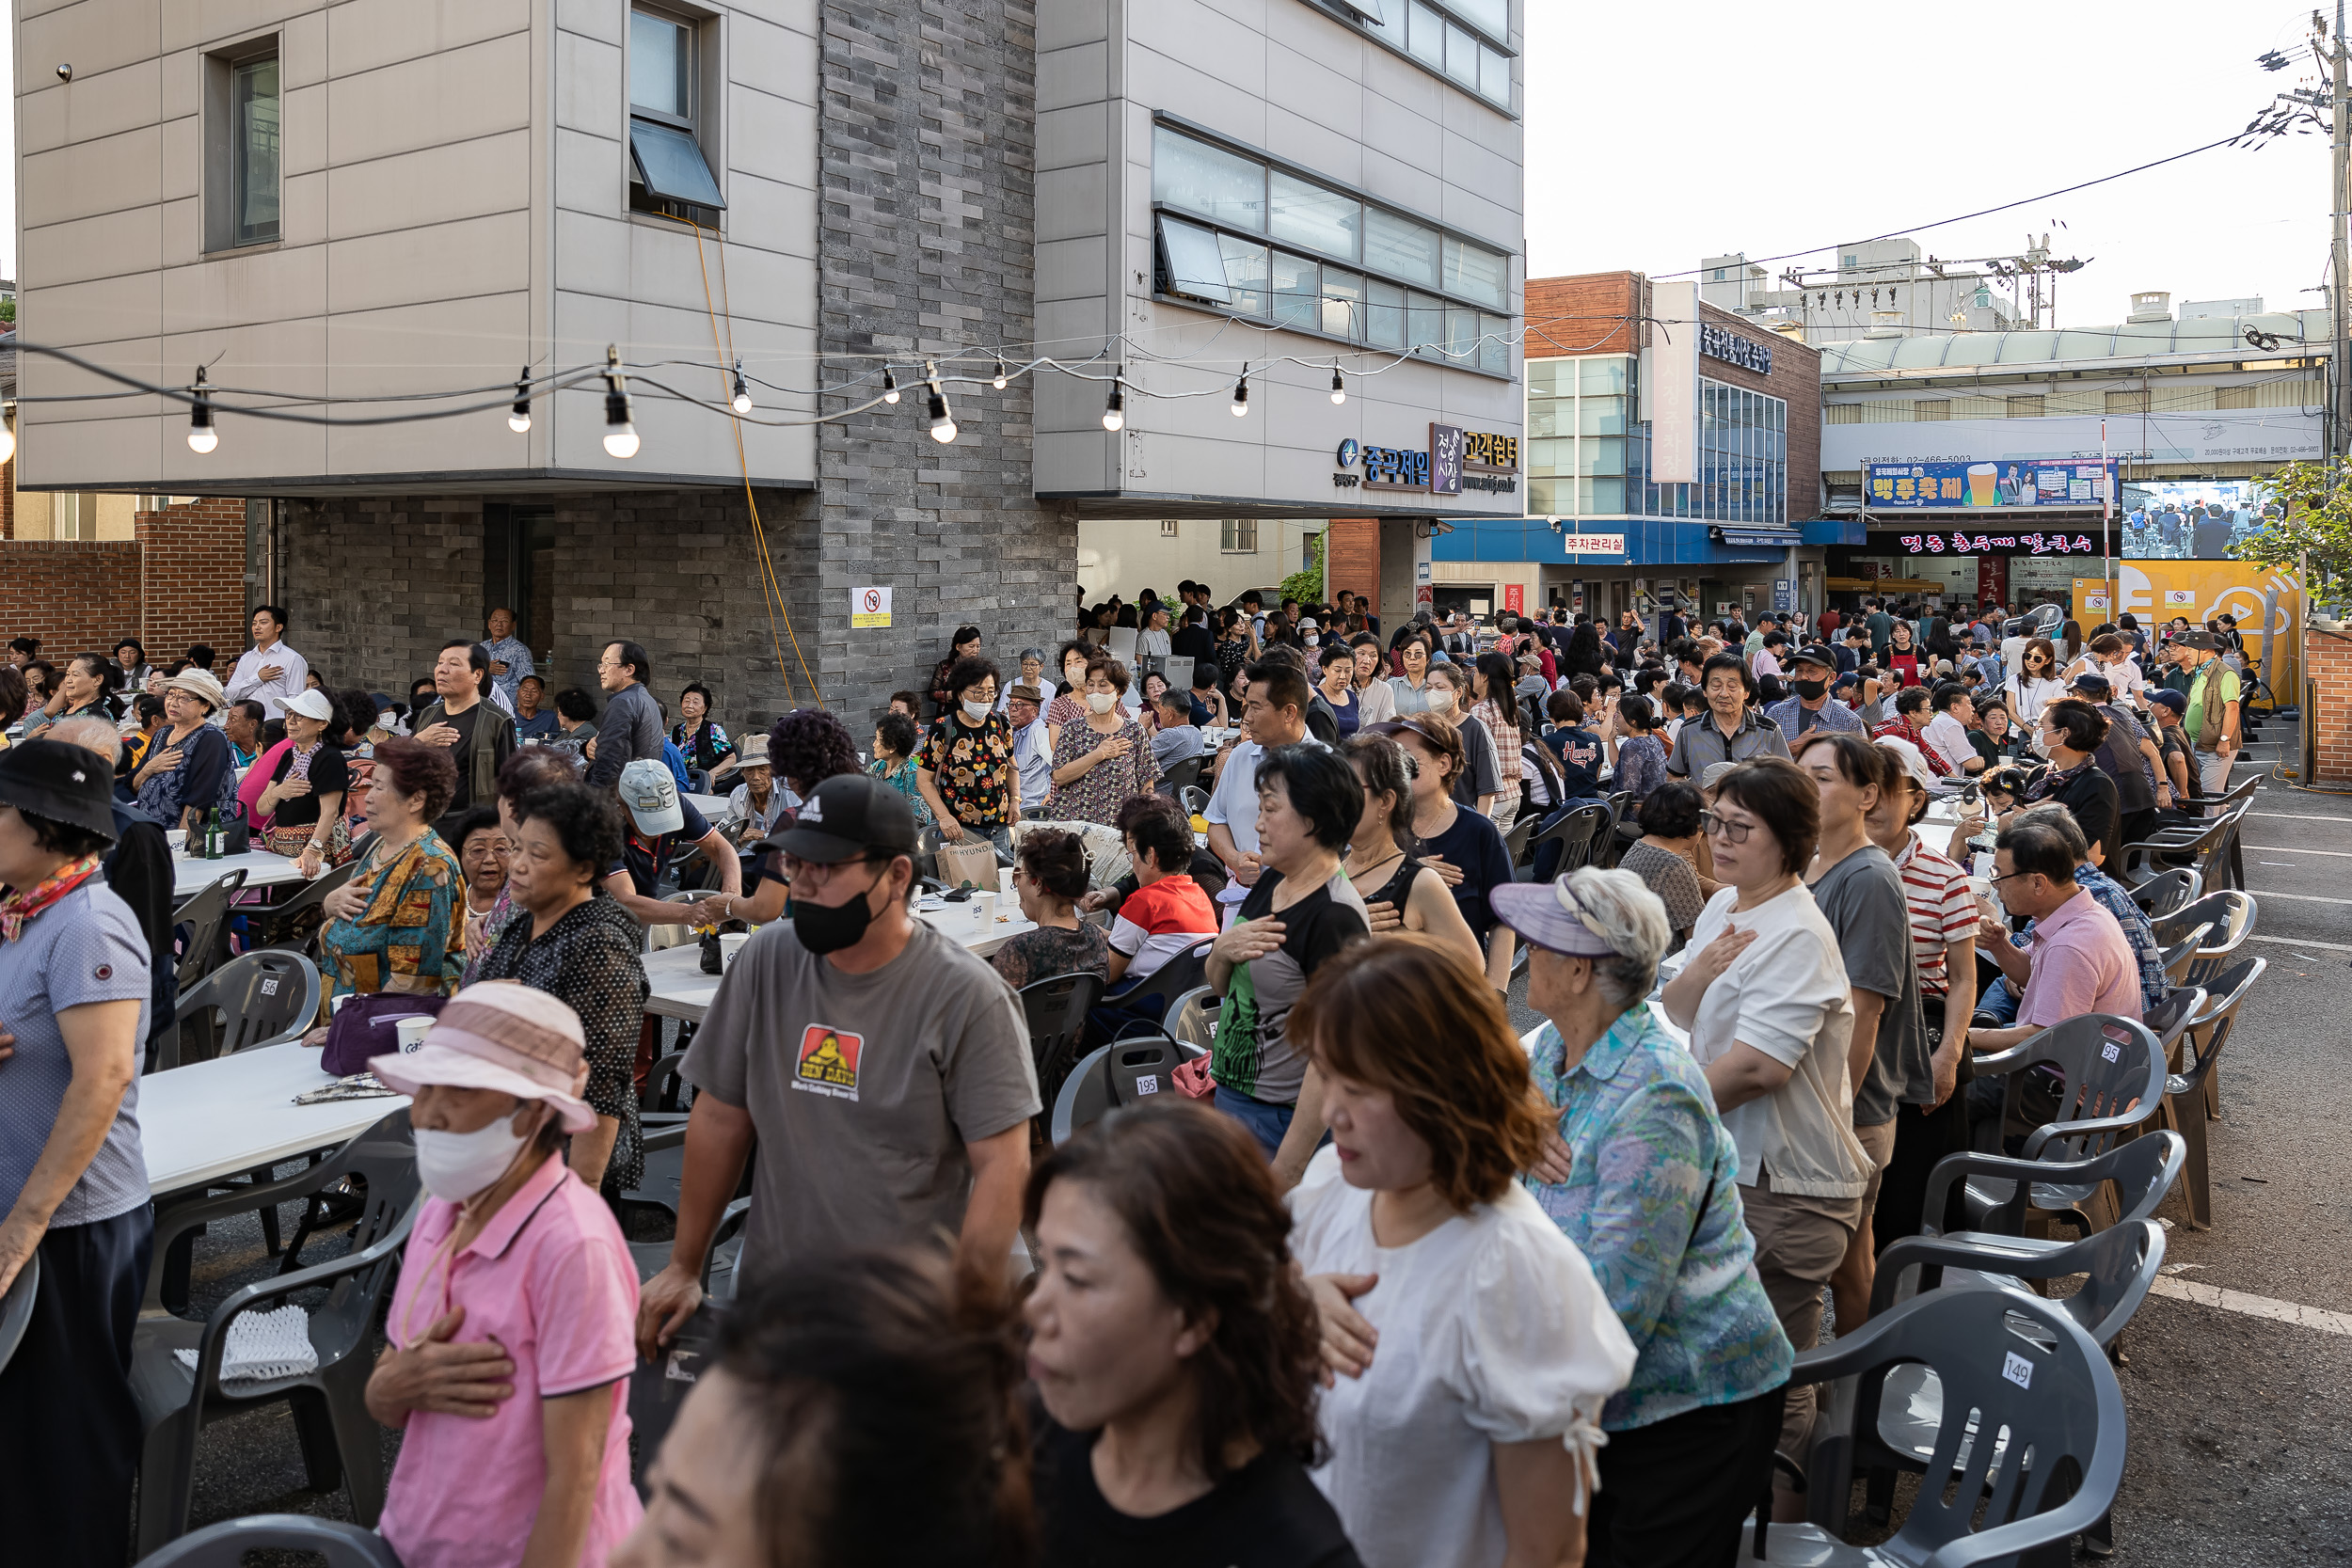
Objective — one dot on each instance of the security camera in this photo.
(65, 73)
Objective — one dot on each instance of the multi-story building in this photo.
(356, 212)
(1878, 287)
(1671, 447)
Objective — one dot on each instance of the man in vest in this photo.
(2213, 721)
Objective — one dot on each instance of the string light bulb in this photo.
(942, 423)
(8, 443)
(1338, 387)
(518, 420)
(202, 437)
(890, 386)
(1002, 374)
(1115, 411)
(1241, 394)
(620, 430)
(742, 391)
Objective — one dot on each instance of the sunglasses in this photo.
(1735, 833)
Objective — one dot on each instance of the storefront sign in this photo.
(870, 607)
(2028, 543)
(1718, 342)
(1445, 460)
(1515, 598)
(1389, 468)
(1953, 485)
(1593, 543)
(1484, 449)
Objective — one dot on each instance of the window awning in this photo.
(670, 164)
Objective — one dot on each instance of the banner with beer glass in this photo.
(2011, 483)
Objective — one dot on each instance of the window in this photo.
(242, 150)
(2127, 403)
(1931, 408)
(1444, 37)
(668, 171)
(1588, 457)
(1238, 536)
(1218, 206)
(1168, 528)
(2025, 406)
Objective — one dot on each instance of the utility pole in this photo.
(2339, 212)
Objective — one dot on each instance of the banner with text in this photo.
(1940, 486)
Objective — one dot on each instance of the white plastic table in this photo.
(211, 1119)
(679, 989)
(261, 868)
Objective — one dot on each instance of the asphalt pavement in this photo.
(2236, 1374)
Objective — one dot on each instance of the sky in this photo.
(1657, 134)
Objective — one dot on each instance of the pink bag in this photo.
(257, 780)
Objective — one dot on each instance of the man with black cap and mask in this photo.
(73, 990)
(883, 1070)
(1811, 669)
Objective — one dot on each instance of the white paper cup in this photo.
(985, 903)
(337, 1005)
(730, 944)
(412, 1032)
(1004, 880)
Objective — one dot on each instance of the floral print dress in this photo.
(409, 937)
(1109, 784)
(974, 768)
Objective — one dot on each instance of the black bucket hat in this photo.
(64, 784)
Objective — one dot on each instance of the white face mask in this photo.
(456, 1166)
(1313, 641)
(1102, 702)
(1439, 697)
(975, 711)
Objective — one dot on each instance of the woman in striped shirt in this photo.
(1943, 913)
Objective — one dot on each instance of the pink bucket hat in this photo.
(500, 1035)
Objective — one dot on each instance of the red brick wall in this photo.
(2327, 664)
(1352, 556)
(1593, 312)
(76, 595)
(194, 566)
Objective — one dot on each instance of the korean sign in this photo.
(2071, 482)
(1962, 543)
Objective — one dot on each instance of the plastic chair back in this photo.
(1194, 799)
(2118, 1265)
(2169, 1019)
(2167, 894)
(1083, 1096)
(1181, 777)
(2230, 934)
(1056, 1011)
(224, 1545)
(1576, 834)
(263, 998)
(2114, 1079)
(206, 915)
(1514, 841)
(1192, 1018)
(1183, 973)
(275, 927)
(1140, 1068)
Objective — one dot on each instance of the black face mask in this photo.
(1809, 690)
(829, 928)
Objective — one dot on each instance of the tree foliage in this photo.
(2315, 531)
(1306, 585)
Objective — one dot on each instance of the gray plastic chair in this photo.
(224, 1546)
(2141, 1172)
(2176, 957)
(280, 926)
(2223, 944)
(1092, 1089)
(2117, 1267)
(267, 997)
(206, 916)
(1192, 1017)
(1056, 1009)
(2168, 893)
(2114, 1079)
(16, 1308)
(1194, 799)
(1183, 776)
(2188, 1098)
(2009, 1364)
(1577, 833)
(339, 1440)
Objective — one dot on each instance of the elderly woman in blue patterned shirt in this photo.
(1643, 1178)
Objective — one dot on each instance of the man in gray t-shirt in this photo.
(883, 1069)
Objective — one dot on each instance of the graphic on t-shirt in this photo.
(828, 1062)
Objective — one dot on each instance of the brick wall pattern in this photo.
(2328, 665)
(180, 580)
(76, 595)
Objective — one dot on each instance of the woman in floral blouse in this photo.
(1104, 760)
(1049, 879)
(895, 739)
(575, 941)
(699, 736)
(396, 925)
(968, 776)
(1640, 1174)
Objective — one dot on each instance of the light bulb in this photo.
(1002, 375)
(1241, 396)
(519, 420)
(890, 386)
(1338, 387)
(1115, 411)
(620, 430)
(742, 392)
(942, 423)
(8, 443)
(203, 438)
(620, 440)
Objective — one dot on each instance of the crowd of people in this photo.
(1386, 1284)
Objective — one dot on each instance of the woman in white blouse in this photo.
(1467, 1440)
(1762, 989)
(2033, 685)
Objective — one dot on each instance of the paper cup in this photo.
(730, 944)
(412, 1032)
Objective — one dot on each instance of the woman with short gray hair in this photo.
(1640, 1174)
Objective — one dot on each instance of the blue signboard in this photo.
(2075, 481)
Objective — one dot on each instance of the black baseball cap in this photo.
(64, 784)
(2097, 688)
(1813, 652)
(845, 816)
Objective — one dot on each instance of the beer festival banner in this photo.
(1989, 486)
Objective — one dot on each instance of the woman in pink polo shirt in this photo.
(511, 1328)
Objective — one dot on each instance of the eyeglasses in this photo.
(2008, 876)
(1735, 833)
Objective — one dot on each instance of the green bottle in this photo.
(215, 840)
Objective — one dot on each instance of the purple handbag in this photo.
(362, 1028)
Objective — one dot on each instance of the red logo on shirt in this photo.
(828, 1062)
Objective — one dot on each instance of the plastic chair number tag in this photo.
(2017, 1370)
(1146, 1083)
(269, 985)
(2111, 1051)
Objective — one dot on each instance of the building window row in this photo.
(1588, 457)
(1445, 37)
(1225, 234)
(2175, 399)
